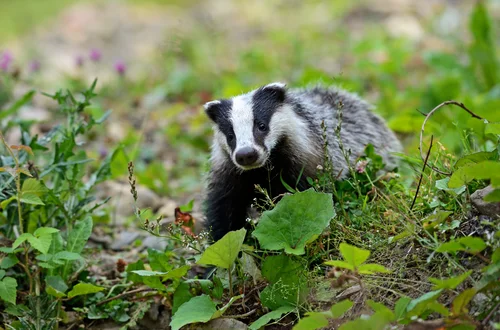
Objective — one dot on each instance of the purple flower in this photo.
(79, 61)
(5, 60)
(95, 54)
(120, 67)
(35, 66)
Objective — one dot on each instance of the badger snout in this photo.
(246, 156)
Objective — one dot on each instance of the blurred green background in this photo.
(158, 61)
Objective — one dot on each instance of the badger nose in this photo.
(246, 156)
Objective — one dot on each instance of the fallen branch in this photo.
(458, 104)
(123, 294)
(422, 174)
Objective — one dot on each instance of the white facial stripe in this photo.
(275, 85)
(209, 104)
(285, 122)
(220, 139)
(242, 119)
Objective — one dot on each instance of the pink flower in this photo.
(361, 166)
(95, 55)
(5, 60)
(120, 67)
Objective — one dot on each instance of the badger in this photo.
(275, 134)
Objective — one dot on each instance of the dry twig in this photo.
(123, 294)
(422, 174)
(458, 104)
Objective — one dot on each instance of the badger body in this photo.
(272, 134)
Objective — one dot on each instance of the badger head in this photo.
(249, 126)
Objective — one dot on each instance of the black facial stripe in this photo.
(222, 114)
(265, 101)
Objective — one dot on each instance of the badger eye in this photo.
(230, 137)
(262, 127)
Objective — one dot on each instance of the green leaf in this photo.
(182, 294)
(55, 286)
(459, 304)
(57, 283)
(468, 243)
(41, 243)
(339, 309)
(425, 298)
(340, 264)
(492, 128)
(31, 199)
(176, 273)
(353, 255)
(66, 255)
(381, 309)
(21, 239)
(450, 283)
(5, 203)
(79, 236)
(33, 186)
(372, 269)
(17, 105)
(197, 309)
(8, 287)
(159, 261)
(476, 157)
(288, 282)
(266, 318)
(224, 308)
(493, 196)
(54, 292)
(295, 220)
(2, 273)
(223, 253)
(481, 171)
(312, 320)
(400, 307)
(9, 261)
(83, 289)
(45, 231)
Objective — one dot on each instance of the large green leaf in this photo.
(8, 286)
(197, 309)
(31, 199)
(353, 255)
(288, 282)
(266, 318)
(83, 289)
(294, 221)
(175, 273)
(339, 309)
(33, 186)
(450, 283)
(77, 239)
(223, 253)
(79, 235)
(312, 321)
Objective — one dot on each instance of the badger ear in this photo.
(277, 88)
(211, 109)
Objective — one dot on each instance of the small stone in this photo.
(491, 209)
(153, 242)
(124, 240)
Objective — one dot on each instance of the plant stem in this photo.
(18, 183)
(230, 282)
